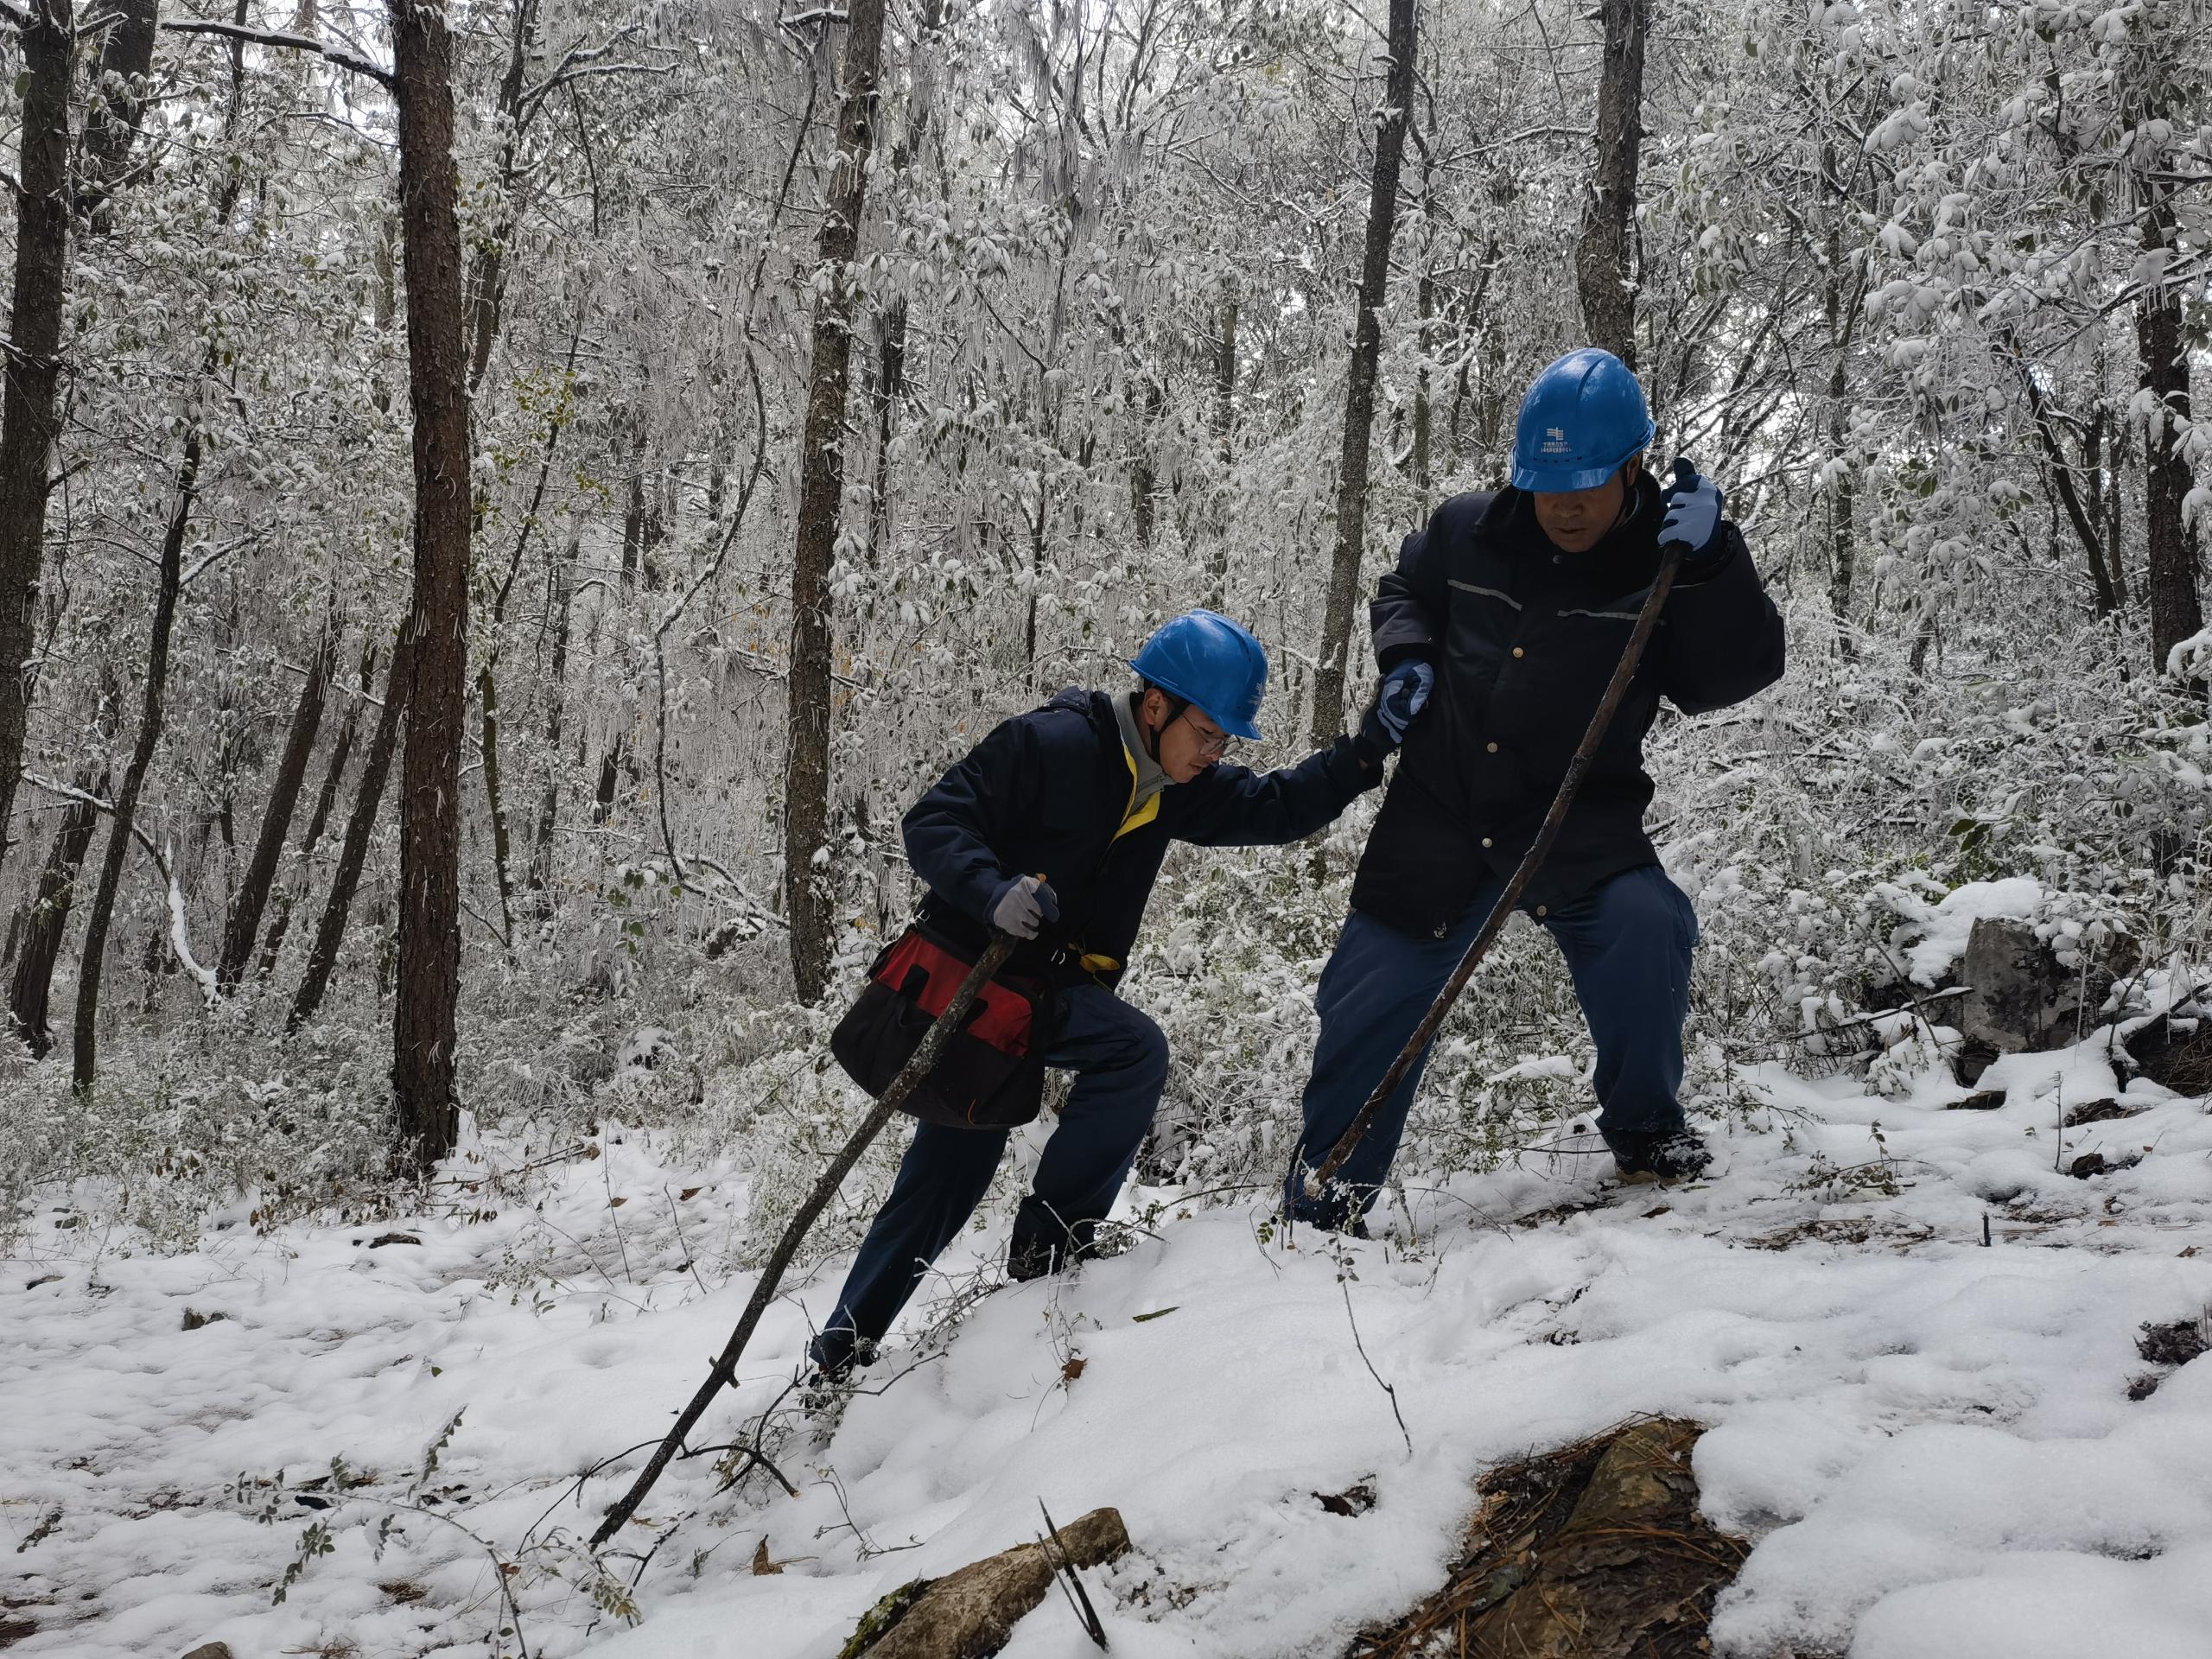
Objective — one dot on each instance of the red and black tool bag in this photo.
(991, 1075)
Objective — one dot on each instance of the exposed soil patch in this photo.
(1594, 1551)
(2179, 1059)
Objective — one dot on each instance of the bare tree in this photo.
(1602, 256)
(821, 482)
(1359, 381)
(46, 35)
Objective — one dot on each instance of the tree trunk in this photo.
(1602, 254)
(1843, 311)
(252, 896)
(325, 801)
(890, 386)
(1224, 427)
(1359, 383)
(437, 631)
(1143, 472)
(2169, 542)
(487, 283)
(353, 851)
(118, 100)
(84, 1056)
(47, 919)
(32, 369)
(822, 481)
(562, 580)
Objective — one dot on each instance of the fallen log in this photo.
(971, 1613)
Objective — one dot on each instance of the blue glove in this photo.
(1020, 904)
(1402, 695)
(1694, 509)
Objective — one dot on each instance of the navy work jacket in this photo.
(1524, 639)
(1045, 794)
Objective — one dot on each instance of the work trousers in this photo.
(1627, 943)
(1120, 1059)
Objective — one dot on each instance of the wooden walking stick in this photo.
(1631, 656)
(725, 1369)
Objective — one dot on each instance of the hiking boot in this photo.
(835, 1360)
(1033, 1254)
(1659, 1155)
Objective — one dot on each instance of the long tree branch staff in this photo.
(1089, 789)
(1515, 608)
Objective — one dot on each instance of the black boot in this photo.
(1659, 1154)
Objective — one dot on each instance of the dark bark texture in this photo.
(2169, 544)
(1603, 256)
(243, 923)
(437, 631)
(1359, 382)
(48, 919)
(821, 482)
(326, 802)
(32, 365)
(119, 99)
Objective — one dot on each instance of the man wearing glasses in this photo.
(1053, 829)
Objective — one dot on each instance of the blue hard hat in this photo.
(1582, 418)
(1211, 662)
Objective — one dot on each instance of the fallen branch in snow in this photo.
(771, 1276)
(1531, 862)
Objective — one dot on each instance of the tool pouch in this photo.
(991, 1075)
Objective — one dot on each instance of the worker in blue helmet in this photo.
(1513, 606)
(1053, 829)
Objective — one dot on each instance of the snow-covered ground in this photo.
(1930, 1439)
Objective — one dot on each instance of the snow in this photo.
(1929, 1441)
(1943, 926)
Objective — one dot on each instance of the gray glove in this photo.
(1021, 904)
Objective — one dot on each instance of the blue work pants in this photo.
(1627, 943)
(1120, 1059)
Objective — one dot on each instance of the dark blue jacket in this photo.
(1524, 639)
(1044, 795)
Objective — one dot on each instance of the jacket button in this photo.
(1441, 930)
(1539, 909)
(1517, 651)
(1492, 747)
(1485, 841)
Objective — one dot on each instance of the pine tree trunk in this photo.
(1602, 273)
(326, 802)
(2170, 543)
(244, 920)
(1359, 383)
(32, 365)
(822, 481)
(48, 919)
(353, 851)
(84, 1055)
(438, 632)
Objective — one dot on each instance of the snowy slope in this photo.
(1930, 1439)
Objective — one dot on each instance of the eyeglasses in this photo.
(1211, 745)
